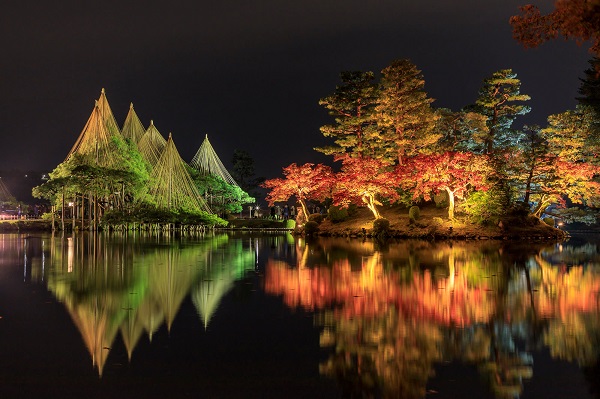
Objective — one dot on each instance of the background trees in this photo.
(476, 151)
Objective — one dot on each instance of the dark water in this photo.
(251, 316)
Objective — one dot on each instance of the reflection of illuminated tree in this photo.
(223, 269)
(499, 296)
(131, 286)
(390, 354)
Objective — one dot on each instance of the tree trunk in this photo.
(62, 213)
(304, 209)
(528, 187)
(450, 203)
(369, 199)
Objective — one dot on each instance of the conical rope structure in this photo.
(172, 186)
(95, 140)
(152, 144)
(133, 129)
(109, 118)
(5, 195)
(207, 161)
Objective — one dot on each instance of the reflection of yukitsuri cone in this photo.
(132, 327)
(98, 323)
(218, 278)
(170, 282)
(151, 317)
(208, 294)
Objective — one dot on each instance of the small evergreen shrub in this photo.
(549, 221)
(484, 207)
(310, 228)
(290, 224)
(414, 213)
(337, 214)
(315, 217)
(437, 221)
(381, 227)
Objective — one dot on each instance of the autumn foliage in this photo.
(308, 181)
(453, 172)
(571, 19)
(364, 181)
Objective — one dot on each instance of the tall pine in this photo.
(404, 115)
(500, 100)
(352, 106)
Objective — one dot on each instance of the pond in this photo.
(274, 316)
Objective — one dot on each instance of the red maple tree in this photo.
(363, 181)
(308, 181)
(572, 19)
(452, 172)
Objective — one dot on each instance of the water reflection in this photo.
(392, 314)
(389, 317)
(132, 285)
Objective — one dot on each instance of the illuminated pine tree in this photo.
(590, 97)
(351, 105)
(500, 101)
(405, 119)
(568, 135)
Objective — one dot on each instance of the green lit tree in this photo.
(500, 101)
(460, 129)
(222, 197)
(569, 135)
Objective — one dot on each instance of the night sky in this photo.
(248, 73)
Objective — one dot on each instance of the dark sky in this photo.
(247, 73)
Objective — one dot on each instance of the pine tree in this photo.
(404, 115)
(590, 98)
(500, 101)
(352, 106)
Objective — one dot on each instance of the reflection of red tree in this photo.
(564, 292)
(370, 292)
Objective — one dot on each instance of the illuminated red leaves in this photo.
(308, 181)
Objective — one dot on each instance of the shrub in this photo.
(381, 227)
(315, 217)
(414, 213)
(484, 207)
(310, 228)
(290, 224)
(337, 214)
(549, 221)
(437, 221)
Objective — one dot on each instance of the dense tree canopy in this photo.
(305, 182)
(572, 19)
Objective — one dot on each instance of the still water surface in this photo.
(273, 316)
